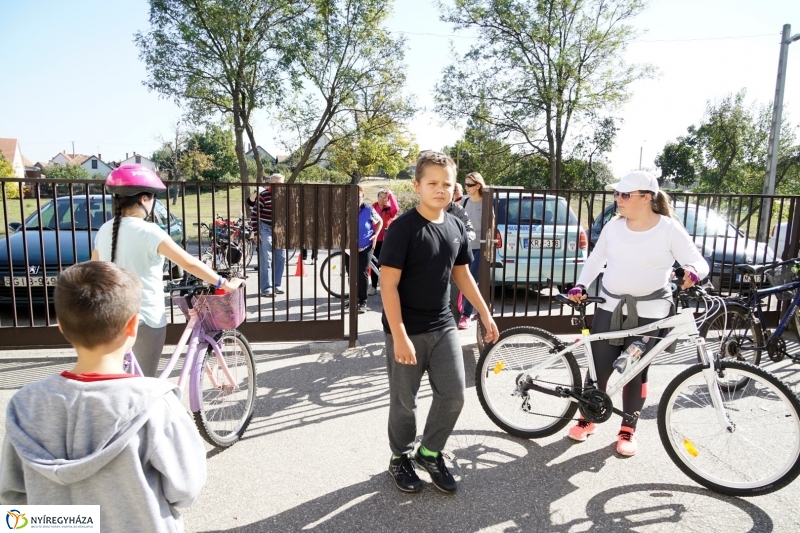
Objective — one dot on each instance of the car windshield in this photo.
(700, 221)
(535, 210)
(63, 215)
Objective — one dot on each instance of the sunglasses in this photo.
(627, 195)
(470, 185)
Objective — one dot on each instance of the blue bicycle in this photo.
(739, 331)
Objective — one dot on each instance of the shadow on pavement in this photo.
(509, 485)
(332, 386)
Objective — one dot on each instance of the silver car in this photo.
(539, 241)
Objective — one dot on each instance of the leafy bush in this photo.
(12, 190)
(406, 197)
(317, 174)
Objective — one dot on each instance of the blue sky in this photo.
(72, 73)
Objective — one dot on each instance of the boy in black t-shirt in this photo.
(420, 251)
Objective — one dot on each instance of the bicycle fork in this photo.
(710, 364)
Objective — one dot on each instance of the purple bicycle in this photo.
(219, 363)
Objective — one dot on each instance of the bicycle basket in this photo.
(217, 311)
(782, 275)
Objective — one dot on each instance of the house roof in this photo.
(26, 161)
(8, 147)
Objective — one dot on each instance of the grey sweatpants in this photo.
(148, 347)
(438, 352)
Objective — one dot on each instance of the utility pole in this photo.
(73, 148)
(640, 157)
(775, 127)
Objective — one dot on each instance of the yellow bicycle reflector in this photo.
(690, 448)
(333, 267)
(499, 366)
(585, 332)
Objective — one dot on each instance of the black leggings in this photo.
(377, 255)
(635, 392)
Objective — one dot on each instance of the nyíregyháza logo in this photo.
(16, 519)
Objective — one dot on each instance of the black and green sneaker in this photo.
(402, 471)
(440, 476)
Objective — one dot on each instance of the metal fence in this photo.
(535, 243)
(540, 240)
(49, 225)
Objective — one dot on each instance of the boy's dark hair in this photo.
(94, 300)
(428, 158)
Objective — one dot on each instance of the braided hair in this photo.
(121, 203)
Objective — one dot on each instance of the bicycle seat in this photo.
(751, 269)
(562, 299)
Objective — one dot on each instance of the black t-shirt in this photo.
(426, 252)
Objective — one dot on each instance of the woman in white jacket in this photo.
(638, 249)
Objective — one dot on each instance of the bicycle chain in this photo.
(527, 397)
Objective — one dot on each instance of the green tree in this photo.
(375, 154)
(66, 172)
(219, 145)
(479, 150)
(726, 152)
(677, 161)
(352, 79)
(541, 66)
(6, 170)
(223, 56)
(195, 165)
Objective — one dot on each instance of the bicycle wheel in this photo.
(761, 454)
(531, 414)
(734, 335)
(330, 273)
(227, 398)
(248, 251)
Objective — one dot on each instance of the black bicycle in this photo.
(335, 273)
(739, 328)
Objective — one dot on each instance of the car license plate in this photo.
(36, 281)
(747, 278)
(541, 243)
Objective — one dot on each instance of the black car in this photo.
(721, 243)
(64, 236)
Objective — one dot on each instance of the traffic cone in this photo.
(300, 271)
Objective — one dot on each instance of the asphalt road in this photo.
(316, 453)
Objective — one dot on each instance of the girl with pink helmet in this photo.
(136, 245)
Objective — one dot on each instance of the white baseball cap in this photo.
(636, 181)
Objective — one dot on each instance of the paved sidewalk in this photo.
(316, 453)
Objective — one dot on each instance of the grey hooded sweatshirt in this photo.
(127, 445)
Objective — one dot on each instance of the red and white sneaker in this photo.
(626, 441)
(581, 431)
(464, 322)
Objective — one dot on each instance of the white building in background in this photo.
(138, 159)
(11, 151)
(93, 164)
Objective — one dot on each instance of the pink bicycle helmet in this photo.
(130, 180)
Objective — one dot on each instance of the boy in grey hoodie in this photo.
(94, 435)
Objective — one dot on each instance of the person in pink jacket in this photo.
(386, 206)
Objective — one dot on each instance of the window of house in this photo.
(94, 164)
(138, 160)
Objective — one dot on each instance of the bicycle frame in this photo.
(682, 325)
(754, 303)
(198, 340)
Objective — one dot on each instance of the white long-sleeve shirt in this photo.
(640, 262)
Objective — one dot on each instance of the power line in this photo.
(705, 38)
(457, 36)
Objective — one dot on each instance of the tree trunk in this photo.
(237, 130)
(256, 155)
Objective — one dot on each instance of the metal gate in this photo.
(52, 224)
